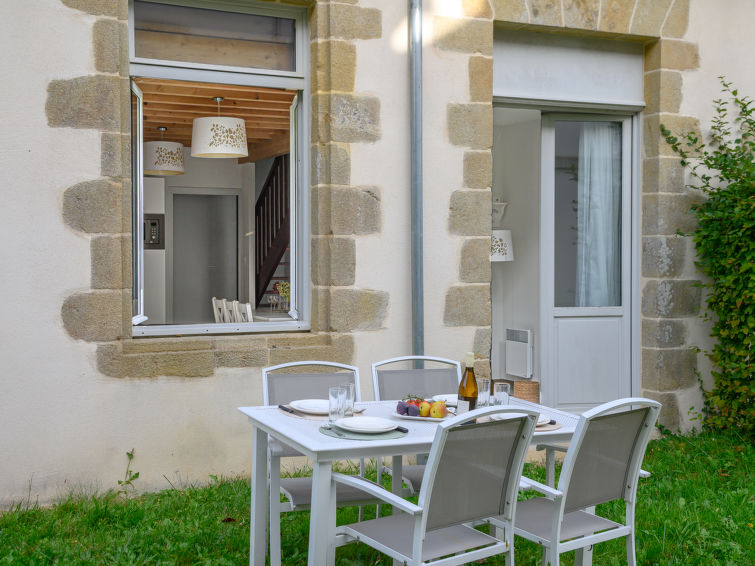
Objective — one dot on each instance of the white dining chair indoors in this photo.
(282, 384)
(472, 469)
(602, 464)
(395, 378)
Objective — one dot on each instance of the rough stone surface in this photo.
(336, 261)
(666, 214)
(663, 257)
(344, 21)
(319, 210)
(669, 415)
(663, 90)
(478, 169)
(357, 309)
(168, 344)
(672, 54)
(511, 11)
(671, 298)
(663, 175)
(465, 35)
(96, 7)
(649, 16)
(347, 118)
(353, 211)
(94, 206)
(615, 15)
(338, 348)
(467, 305)
(334, 65)
(470, 213)
(475, 261)
(110, 40)
(480, 79)
(470, 125)
(93, 316)
(331, 164)
(115, 155)
(241, 358)
(111, 265)
(85, 102)
(659, 333)
(677, 19)
(477, 8)
(320, 308)
(668, 369)
(581, 14)
(482, 342)
(111, 361)
(482, 369)
(546, 12)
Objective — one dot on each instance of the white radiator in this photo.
(519, 353)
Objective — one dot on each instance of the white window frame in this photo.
(299, 182)
(137, 188)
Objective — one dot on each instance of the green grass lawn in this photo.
(697, 508)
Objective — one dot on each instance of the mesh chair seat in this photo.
(299, 493)
(397, 532)
(535, 516)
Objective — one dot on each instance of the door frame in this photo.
(631, 288)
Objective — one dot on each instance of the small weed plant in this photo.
(723, 168)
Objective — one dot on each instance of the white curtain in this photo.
(599, 215)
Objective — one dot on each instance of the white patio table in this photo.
(304, 435)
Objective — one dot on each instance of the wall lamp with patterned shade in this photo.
(218, 136)
(501, 248)
(163, 157)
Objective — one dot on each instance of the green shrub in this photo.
(724, 169)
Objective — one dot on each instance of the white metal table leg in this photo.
(258, 519)
(397, 467)
(322, 520)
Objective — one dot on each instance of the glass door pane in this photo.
(587, 223)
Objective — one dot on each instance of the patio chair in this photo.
(472, 469)
(390, 382)
(602, 464)
(280, 385)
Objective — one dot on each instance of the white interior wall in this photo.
(154, 260)
(516, 180)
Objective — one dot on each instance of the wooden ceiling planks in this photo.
(175, 104)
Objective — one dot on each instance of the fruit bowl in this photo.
(418, 418)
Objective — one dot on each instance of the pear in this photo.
(438, 410)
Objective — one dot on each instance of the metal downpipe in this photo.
(417, 258)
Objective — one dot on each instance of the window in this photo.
(223, 246)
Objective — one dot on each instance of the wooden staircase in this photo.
(271, 219)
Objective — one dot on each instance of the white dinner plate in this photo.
(418, 418)
(451, 399)
(311, 406)
(370, 425)
(501, 416)
(543, 421)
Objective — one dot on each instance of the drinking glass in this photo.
(483, 392)
(336, 402)
(501, 393)
(348, 406)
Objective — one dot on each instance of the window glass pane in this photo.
(213, 37)
(587, 214)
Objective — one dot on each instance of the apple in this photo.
(424, 409)
(438, 410)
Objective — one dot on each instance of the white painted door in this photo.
(585, 242)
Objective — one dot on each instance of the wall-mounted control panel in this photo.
(154, 231)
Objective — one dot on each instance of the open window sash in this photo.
(293, 182)
(137, 215)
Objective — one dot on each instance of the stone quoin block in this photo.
(333, 65)
(546, 12)
(649, 16)
(669, 415)
(480, 78)
(475, 260)
(668, 369)
(661, 333)
(511, 11)
(677, 19)
(482, 342)
(663, 257)
(671, 298)
(581, 14)
(331, 164)
(467, 305)
(478, 169)
(115, 155)
(470, 125)
(464, 35)
(663, 90)
(346, 118)
(114, 8)
(477, 8)
(94, 316)
(663, 175)
(615, 15)
(668, 214)
(672, 54)
(344, 21)
(110, 42)
(111, 262)
(357, 309)
(336, 261)
(469, 213)
(94, 206)
(85, 102)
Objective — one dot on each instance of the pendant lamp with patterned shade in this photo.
(163, 157)
(218, 136)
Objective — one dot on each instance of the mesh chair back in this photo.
(472, 480)
(286, 387)
(601, 467)
(398, 383)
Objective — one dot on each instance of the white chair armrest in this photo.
(378, 491)
(556, 447)
(542, 488)
(644, 474)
